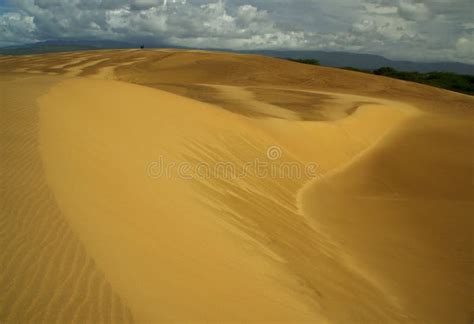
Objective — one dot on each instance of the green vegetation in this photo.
(444, 80)
(305, 61)
(356, 70)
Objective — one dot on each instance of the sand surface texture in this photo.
(190, 186)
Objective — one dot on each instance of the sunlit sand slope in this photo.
(46, 272)
(193, 186)
(171, 256)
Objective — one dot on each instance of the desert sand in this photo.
(93, 230)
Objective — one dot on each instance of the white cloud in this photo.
(15, 27)
(468, 25)
(465, 46)
(404, 29)
(412, 10)
(378, 9)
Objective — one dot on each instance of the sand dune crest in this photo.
(91, 231)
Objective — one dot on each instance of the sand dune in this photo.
(94, 230)
(46, 273)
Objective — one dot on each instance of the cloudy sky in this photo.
(420, 30)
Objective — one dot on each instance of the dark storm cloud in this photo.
(403, 29)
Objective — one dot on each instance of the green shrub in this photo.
(305, 61)
(445, 80)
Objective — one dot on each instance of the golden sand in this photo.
(90, 232)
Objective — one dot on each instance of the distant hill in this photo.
(52, 46)
(368, 61)
(334, 59)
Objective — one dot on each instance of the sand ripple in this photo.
(46, 273)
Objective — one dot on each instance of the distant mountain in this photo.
(51, 46)
(334, 59)
(368, 61)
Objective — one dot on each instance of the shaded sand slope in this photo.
(382, 234)
(404, 211)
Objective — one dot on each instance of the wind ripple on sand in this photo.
(46, 274)
(266, 210)
(260, 248)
